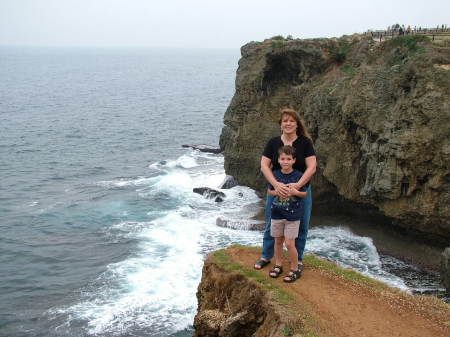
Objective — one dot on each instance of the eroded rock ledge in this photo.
(378, 115)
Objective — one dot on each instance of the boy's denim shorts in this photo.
(283, 227)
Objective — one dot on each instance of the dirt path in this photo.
(351, 309)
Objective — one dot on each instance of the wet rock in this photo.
(210, 193)
(250, 225)
(203, 148)
(445, 268)
(228, 182)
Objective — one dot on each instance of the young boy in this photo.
(286, 214)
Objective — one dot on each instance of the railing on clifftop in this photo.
(435, 34)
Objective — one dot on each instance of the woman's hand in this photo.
(292, 189)
(295, 186)
(282, 190)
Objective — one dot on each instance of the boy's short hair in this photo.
(287, 149)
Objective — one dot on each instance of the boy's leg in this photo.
(290, 233)
(268, 240)
(293, 256)
(300, 242)
(277, 229)
(279, 250)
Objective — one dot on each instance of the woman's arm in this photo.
(297, 193)
(280, 188)
(272, 192)
(311, 165)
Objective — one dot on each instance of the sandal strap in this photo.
(277, 270)
(262, 262)
(293, 275)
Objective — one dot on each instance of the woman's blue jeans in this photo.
(300, 241)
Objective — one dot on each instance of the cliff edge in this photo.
(378, 114)
(236, 301)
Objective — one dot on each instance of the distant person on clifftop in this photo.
(286, 214)
(294, 133)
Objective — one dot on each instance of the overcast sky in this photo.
(202, 23)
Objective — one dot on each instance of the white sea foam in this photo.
(351, 251)
(123, 182)
(155, 288)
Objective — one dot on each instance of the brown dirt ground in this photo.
(347, 308)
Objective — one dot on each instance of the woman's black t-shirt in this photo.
(303, 149)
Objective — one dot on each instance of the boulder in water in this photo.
(210, 193)
(204, 148)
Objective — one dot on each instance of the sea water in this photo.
(101, 234)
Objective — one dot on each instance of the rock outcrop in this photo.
(203, 148)
(378, 114)
(209, 193)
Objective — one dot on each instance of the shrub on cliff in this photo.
(339, 54)
(278, 37)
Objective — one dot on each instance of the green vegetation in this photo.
(339, 54)
(277, 40)
(288, 331)
(410, 42)
(278, 37)
(349, 70)
(276, 44)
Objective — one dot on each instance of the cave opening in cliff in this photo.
(290, 69)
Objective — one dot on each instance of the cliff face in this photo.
(379, 118)
(231, 304)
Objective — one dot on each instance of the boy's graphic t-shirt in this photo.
(290, 208)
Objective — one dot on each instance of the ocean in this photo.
(101, 234)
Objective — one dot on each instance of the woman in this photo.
(294, 133)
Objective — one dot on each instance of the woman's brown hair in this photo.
(301, 128)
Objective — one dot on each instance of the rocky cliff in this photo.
(379, 115)
(236, 301)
